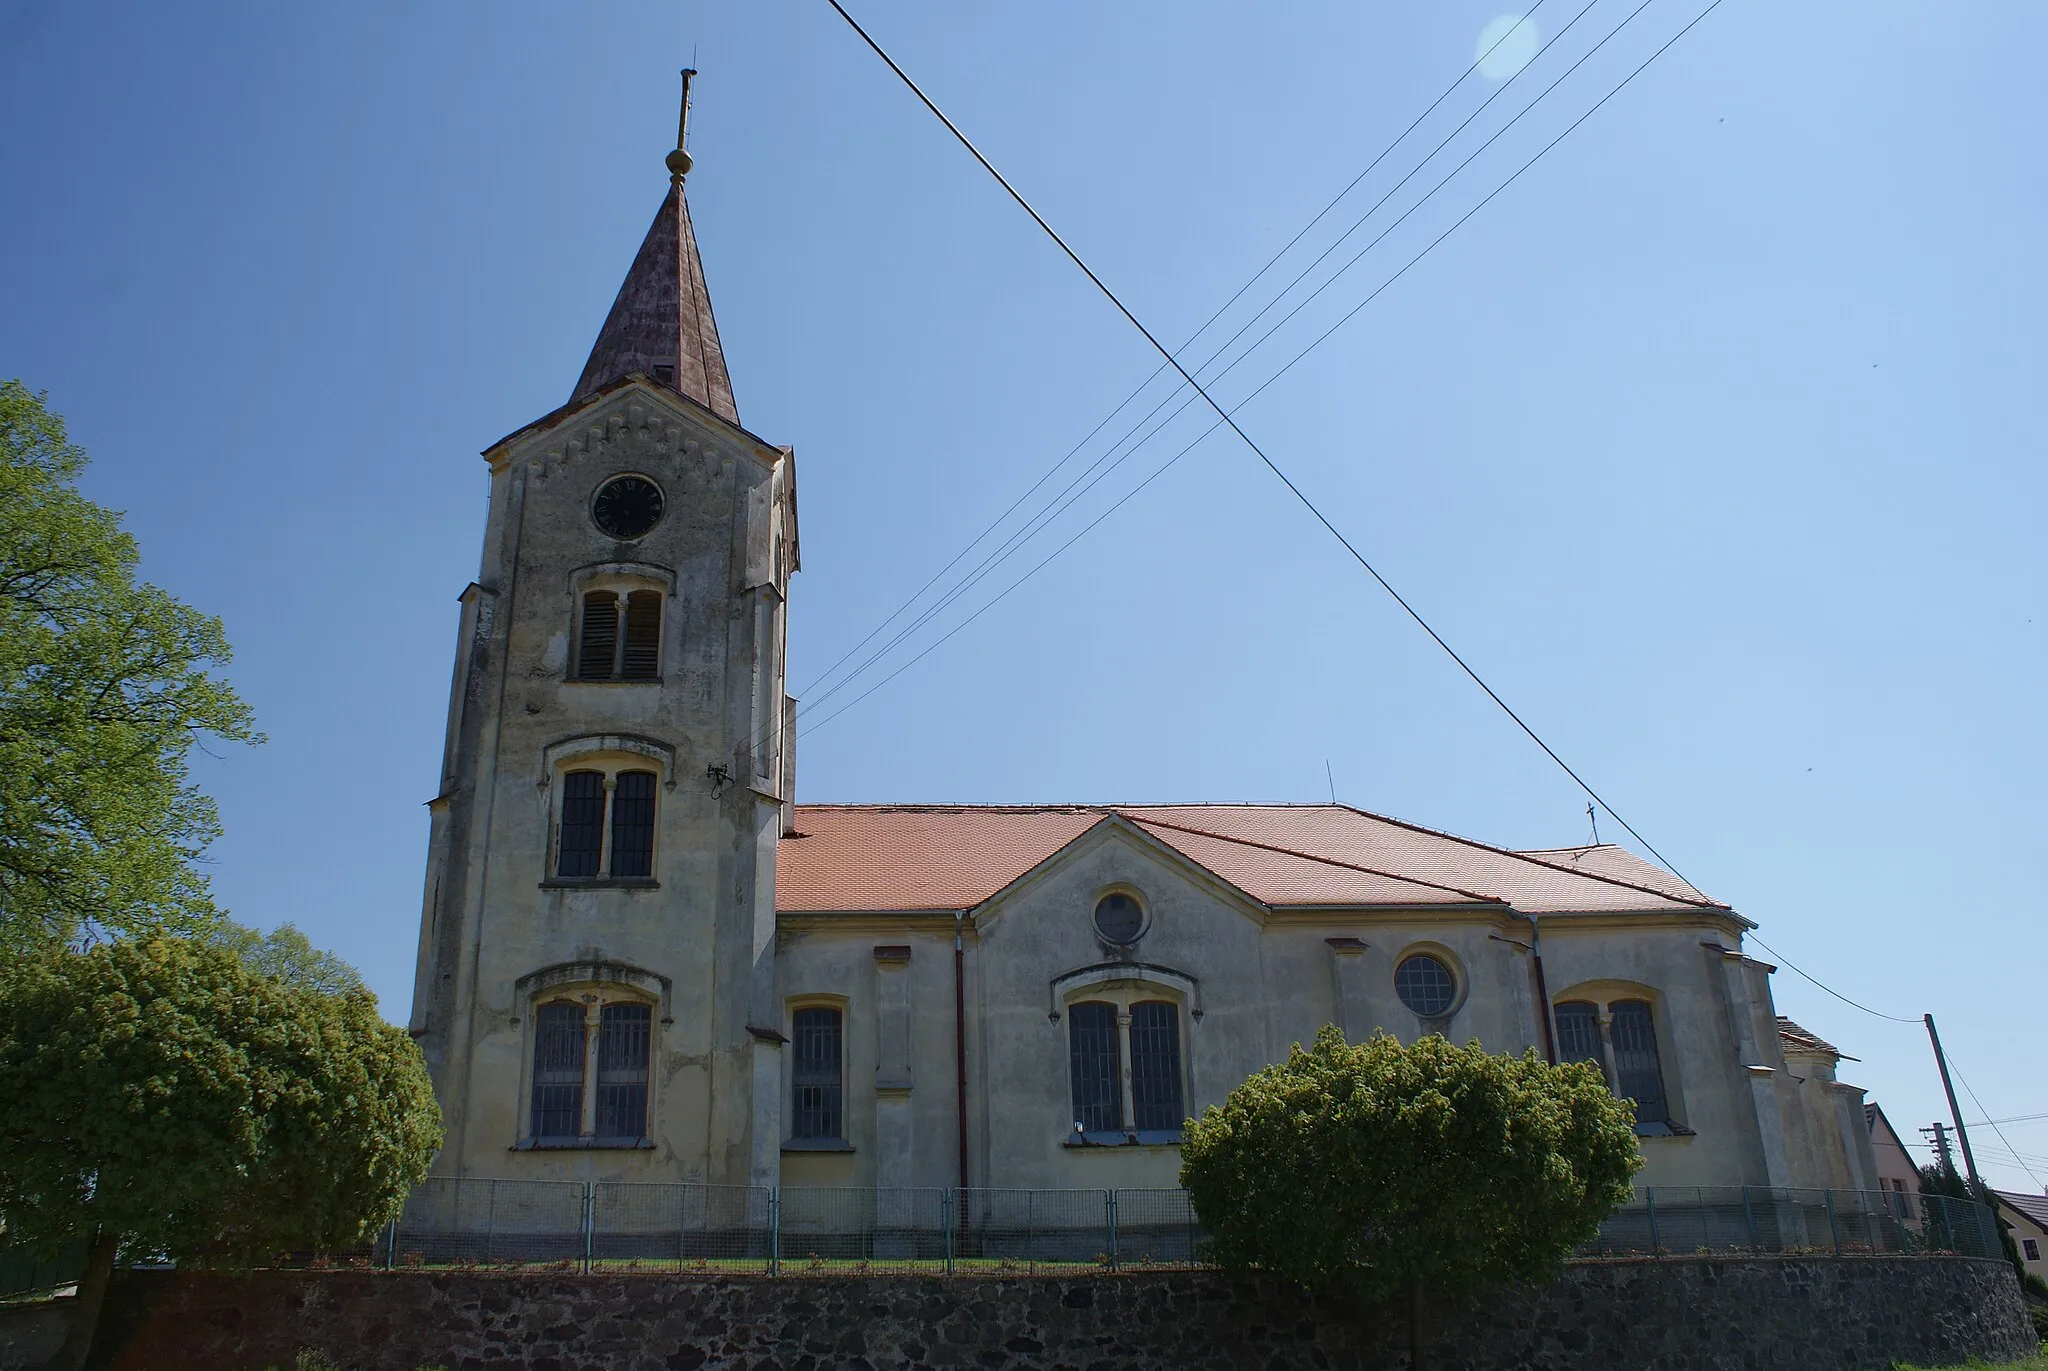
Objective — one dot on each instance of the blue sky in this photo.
(1714, 441)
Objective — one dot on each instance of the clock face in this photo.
(627, 506)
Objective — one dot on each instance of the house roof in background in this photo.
(2035, 1207)
(910, 857)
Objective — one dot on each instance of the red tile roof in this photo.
(906, 857)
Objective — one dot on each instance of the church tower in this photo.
(595, 991)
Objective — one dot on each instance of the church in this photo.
(641, 960)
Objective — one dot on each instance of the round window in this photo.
(1425, 985)
(1119, 918)
(626, 506)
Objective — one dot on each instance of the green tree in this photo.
(1375, 1170)
(104, 690)
(164, 1096)
(1941, 1179)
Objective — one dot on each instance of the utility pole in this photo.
(1939, 1131)
(1962, 1134)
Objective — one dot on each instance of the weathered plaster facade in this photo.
(720, 986)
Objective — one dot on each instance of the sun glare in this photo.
(1517, 41)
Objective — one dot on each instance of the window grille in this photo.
(622, 1039)
(1425, 985)
(633, 825)
(558, 1070)
(816, 1073)
(641, 660)
(1640, 1077)
(1578, 1033)
(1155, 1067)
(582, 843)
(1091, 1032)
(597, 653)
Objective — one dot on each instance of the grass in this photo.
(2037, 1362)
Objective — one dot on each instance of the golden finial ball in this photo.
(679, 163)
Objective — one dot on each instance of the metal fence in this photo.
(24, 1270)
(616, 1225)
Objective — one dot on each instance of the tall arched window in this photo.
(1638, 1073)
(622, 1043)
(582, 844)
(1578, 1033)
(817, 1074)
(1155, 1067)
(558, 1070)
(1094, 1065)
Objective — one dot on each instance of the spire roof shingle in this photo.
(661, 324)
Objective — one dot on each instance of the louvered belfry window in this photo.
(1091, 1039)
(1639, 1074)
(815, 1073)
(640, 660)
(1155, 1067)
(616, 646)
(598, 649)
(622, 1040)
(633, 826)
(582, 845)
(1578, 1033)
(558, 1070)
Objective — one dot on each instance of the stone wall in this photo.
(1842, 1314)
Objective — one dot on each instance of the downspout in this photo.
(960, 1033)
(1542, 989)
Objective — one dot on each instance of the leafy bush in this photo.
(1378, 1169)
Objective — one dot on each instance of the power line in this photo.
(1246, 438)
(1253, 280)
(1811, 978)
(1097, 471)
(1994, 1124)
(2017, 1118)
(1014, 543)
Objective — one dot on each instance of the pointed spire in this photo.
(661, 322)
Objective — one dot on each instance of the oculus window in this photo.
(1119, 918)
(1425, 985)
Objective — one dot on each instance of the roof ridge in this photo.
(1313, 857)
(1704, 899)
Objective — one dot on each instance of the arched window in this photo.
(817, 1075)
(1620, 1036)
(1578, 1033)
(1638, 1074)
(633, 825)
(558, 1071)
(582, 845)
(606, 832)
(620, 637)
(1155, 1067)
(570, 1107)
(622, 1043)
(1095, 1067)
